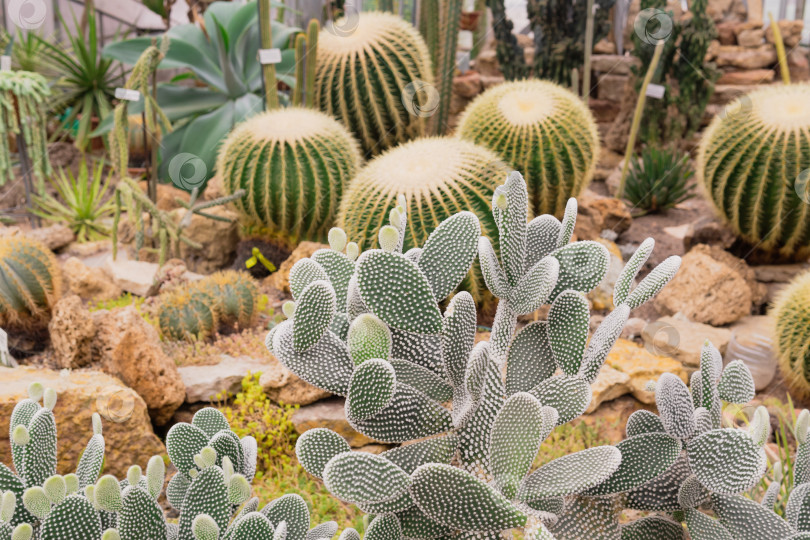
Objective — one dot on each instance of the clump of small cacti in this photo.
(542, 129)
(364, 77)
(294, 165)
(468, 467)
(754, 166)
(35, 486)
(187, 314)
(30, 282)
(235, 295)
(791, 313)
(437, 177)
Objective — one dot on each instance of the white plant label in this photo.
(5, 63)
(269, 56)
(656, 91)
(127, 94)
(5, 357)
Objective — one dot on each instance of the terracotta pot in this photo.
(469, 20)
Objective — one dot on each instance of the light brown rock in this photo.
(135, 277)
(55, 237)
(283, 386)
(167, 196)
(604, 46)
(486, 63)
(611, 87)
(682, 339)
(726, 34)
(791, 33)
(614, 64)
(741, 57)
(129, 348)
(642, 366)
(488, 81)
(798, 64)
(712, 287)
(779, 273)
(751, 37)
(596, 213)
(72, 331)
(609, 385)
(89, 283)
(467, 85)
(280, 279)
(328, 414)
(217, 238)
(127, 430)
(752, 76)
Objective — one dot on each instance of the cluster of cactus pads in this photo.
(759, 181)
(472, 416)
(226, 300)
(30, 282)
(211, 489)
(792, 315)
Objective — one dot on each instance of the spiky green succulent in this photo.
(467, 468)
(754, 165)
(294, 164)
(539, 128)
(375, 76)
(792, 317)
(437, 176)
(30, 283)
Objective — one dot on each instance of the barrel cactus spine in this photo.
(437, 176)
(294, 164)
(30, 283)
(363, 74)
(541, 129)
(754, 166)
(792, 330)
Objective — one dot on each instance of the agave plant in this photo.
(658, 180)
(86, 82)
(222, 55)
(82, 202)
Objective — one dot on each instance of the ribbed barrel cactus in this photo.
(235, 296)
(792, 316)
(294, 164)
(437, 176)
(471, 417)
(541, 129)
(187, 314)
(376, 79)
(754, 165)
(30, 283)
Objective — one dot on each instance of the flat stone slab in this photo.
(204, 383)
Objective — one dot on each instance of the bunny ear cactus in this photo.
(471, 416)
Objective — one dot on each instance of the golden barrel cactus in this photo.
(542, 130)
(234, 295)
(792, 317)
(754, 165)
(438, 176)
(374, 74)
(294, 164)
(30, 283)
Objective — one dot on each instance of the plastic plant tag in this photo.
(5, 356)
(5, 63)
(269, 56)
(127, 94)
(656, 91)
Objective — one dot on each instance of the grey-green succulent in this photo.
(472, 417)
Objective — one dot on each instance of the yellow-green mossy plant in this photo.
(294, 164)
(438, 176)
(791, 314)
(30, 283)
(542, 130)
(754, 165)
(372, 75)
(235, 298)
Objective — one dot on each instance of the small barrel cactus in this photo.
(187, 314)
(235, 296)
(437, 177)
(541, 129)
(754, 165)
(373, 77)
(30, 283)
(294, 164)
(792, 316)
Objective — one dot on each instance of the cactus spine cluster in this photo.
(225, 301)
(541, 129)
(437, 176)
(211, 489)
(363, 73)
(30, 282)
(294, 164)
(792, 316)
(754, 166)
